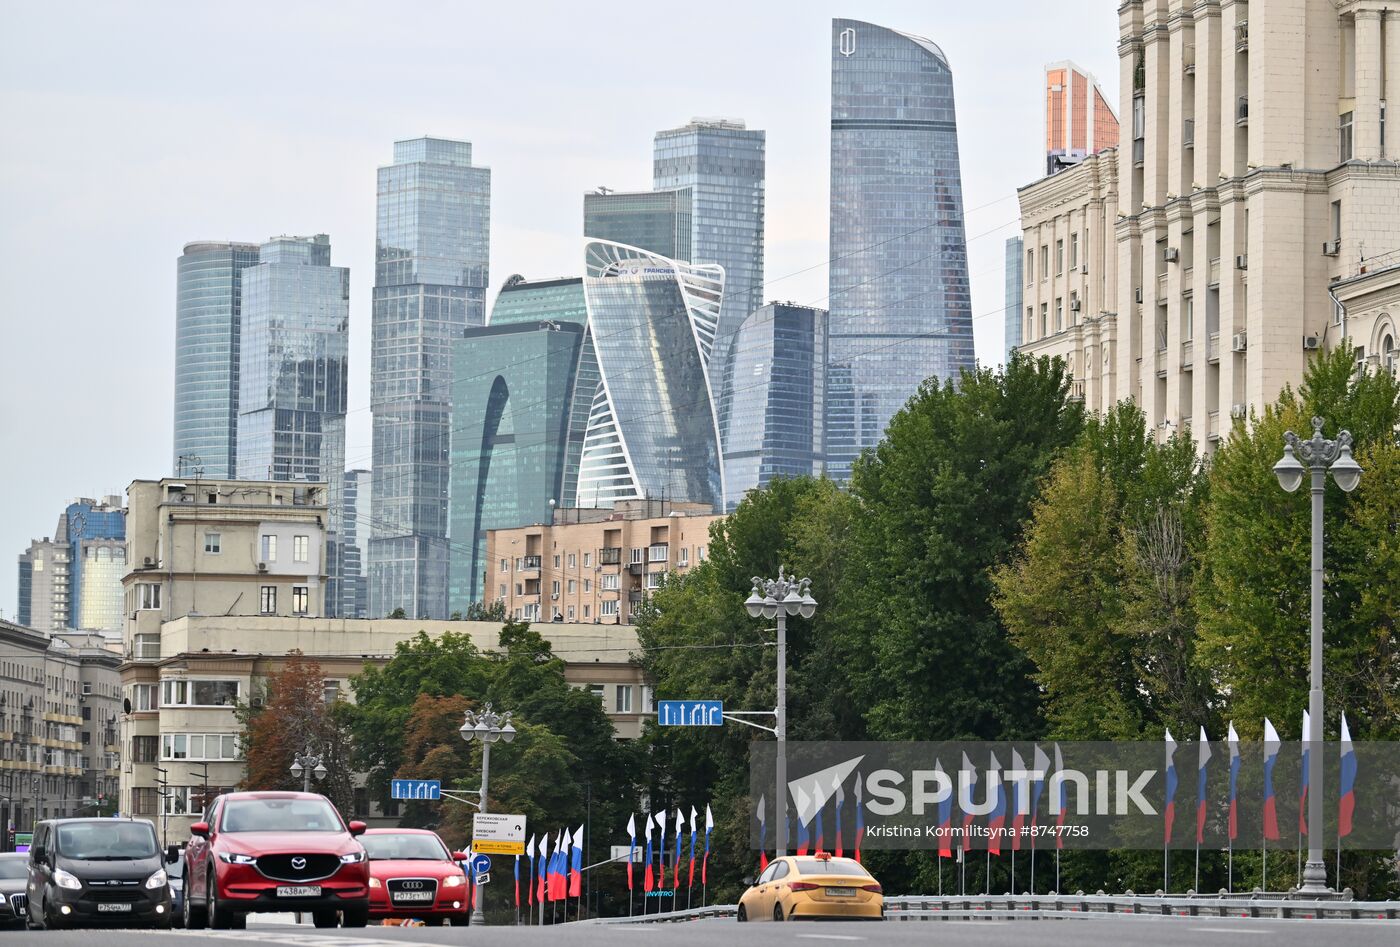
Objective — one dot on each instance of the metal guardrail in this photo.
(1044, 907)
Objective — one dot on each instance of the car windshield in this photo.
(280, 815)
(836, 866)
(406, 846)
(106, 840)
(13, 869)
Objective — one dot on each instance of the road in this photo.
(1142, 931)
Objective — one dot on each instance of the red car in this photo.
(413, 875)
(275, 851)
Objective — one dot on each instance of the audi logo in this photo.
(298, 863)
(412, 885)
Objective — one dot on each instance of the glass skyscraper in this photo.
(659, 221)
(354, 542)
(292, 375)
(432, 249)
(775, 406)
(209, 292)
(513, 440)
(899, 298)
(75, 579)
(1015, 290)
(652, 431)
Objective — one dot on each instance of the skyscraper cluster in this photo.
(659, 372)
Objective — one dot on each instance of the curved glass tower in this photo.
(900, 306)
(652, 431)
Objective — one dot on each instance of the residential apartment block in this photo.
(594, 565)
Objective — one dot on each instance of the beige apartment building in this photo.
(1256, 181)
(226, 580)
(594, 565)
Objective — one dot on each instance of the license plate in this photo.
(840, 892)
(112, 907)
(298, 891)
(413, 896)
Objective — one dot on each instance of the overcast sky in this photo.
(128, 129)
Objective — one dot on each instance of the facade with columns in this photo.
(1256, 181)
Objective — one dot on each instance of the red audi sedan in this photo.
(275, 851)
(413, 875)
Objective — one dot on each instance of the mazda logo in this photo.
(298, 863)
(413, 885)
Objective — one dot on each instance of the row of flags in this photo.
(551, 874)
(650, 881)
(1346, 805)
(814, 839)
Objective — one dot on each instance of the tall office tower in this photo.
(354, 544)
(775, 406)
(75, 579)
(900, 305)
(657, 221)
(1014, 274)
(293, 375)
(724, 165)
(209, 295)
(431, 270)
(1078, 119)
(44, 590)
(513, 438)
(652, 431)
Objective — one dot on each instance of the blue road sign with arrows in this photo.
(690, 713)
(415, 789)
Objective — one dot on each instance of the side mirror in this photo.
(748, 881)
(357, 827)
(172, 855)
(459, 856)
(200, 829)
(38, 855)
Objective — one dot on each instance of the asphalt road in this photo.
(1145, 930)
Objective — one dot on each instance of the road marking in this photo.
(830, 937)
(1230, 930)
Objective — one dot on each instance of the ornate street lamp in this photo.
(486, 726)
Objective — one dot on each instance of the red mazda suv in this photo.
(275, 851)
(413, 875)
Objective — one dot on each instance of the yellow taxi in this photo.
(800, 887)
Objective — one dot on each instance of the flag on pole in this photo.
(996, 821)
(1303, 784)
(690, 878)
(631, 845)
(676, 866)
(971, 772)
(647, 881)
(1346, 802)
(709, 827)
(661, 841)
(1202, 759)
(1041, 763)
(860, 816)
(1233, 740)
(945, 817)
(471, 878)
(820, 804)
(1018, 799)
(561, 850)
(1271, 747)
(802, 800)
(762, 834)
(517, 882)
(542, 869)
(530, 872)
(1169, 815)
(840, 794)
(1062, 798)
(576, 869)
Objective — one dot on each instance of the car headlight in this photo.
(354, 858)
(64, 880)
(237, 858)
(158, 880)
(454, 881)
(374, 882)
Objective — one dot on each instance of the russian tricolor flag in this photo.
(1271, 747)
(1018, 801)
(1346, 802)
(1233, 740)
(945, 817)
(1169, 812)
(803, 801)
(1041, 762)
(971, 772)
(1202, 760)
(996, 821)
(762, 834)
(860, 817)
(1063, 803)
(631, 845)
(648, 879)
(840, 804)
(576, 865)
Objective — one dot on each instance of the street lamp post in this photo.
(487, 726)
(304, 764)
(1318, 455)
(779, 598)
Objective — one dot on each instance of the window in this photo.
(654, 579)
(573, 560)
(1044, 320)
(1044, 260)
(659, 552)
(178, 800)
(699, 553)
(1030, 324)
(145, 800)
(1337, 221)
(588, 585)
(556, 562)
(1344, 137)
(267, 600)
(1059, 314)
(184, 693)
(1074, 308)
(212, 543)
(505, 565)
(1188, 318)
(573, 586)
(269, 548)
(571, 613)
(301, 548)
(596, 690)
(637, 554)
(148, 595)
(1030, 266)
(609, 583)
(623, 702)
(330, 690)
(143, 749)
(532, 612)
(143, 697)
(301, 600)
(520, 588)
(1059, 257)
(585, 611)
(587, 559)
(554, 588)
(608, 608)
(683, 557)
(1074, 251)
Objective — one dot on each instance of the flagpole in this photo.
(940, 872)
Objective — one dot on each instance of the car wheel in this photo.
(328, 918)
(742, 915)
(357, 916)
(432, 921)
(777, 912)
(220, 917)
(194, 917)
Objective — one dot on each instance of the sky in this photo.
(128, 130)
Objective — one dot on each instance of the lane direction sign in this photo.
(415, 789)
(690, 713)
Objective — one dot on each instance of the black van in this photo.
(97, 871)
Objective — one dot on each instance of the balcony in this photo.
(636, 568)
(1139, 149)
(634, 596)
(530, 563)
(610, 556)
(1160, 362)
(1213, 432)
(1188, 354)
(1076, 390)
(1188, 133)
(1188, 59)
(1161, 288)
(144, 648)
(1213, 348)
(1242, 110)
(1213, 279)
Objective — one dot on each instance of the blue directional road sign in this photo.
(690, 713)
(481, 864)
(415, 789)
